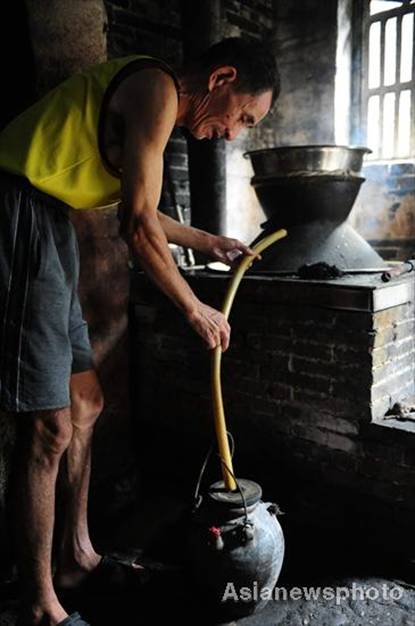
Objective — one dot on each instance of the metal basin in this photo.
(301, 199)
(307, 160)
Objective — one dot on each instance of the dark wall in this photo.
(18, 92)
(17, 62)
(306, 36)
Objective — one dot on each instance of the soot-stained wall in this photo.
(384, 212)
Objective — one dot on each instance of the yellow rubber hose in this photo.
(219, 415)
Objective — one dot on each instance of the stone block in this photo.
(394, 366)
(393, 385)
(336, 441)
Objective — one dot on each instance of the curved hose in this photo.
(219, 414)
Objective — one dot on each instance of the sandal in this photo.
(73, 620)
(110, 575)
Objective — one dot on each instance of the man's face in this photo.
(224, 112)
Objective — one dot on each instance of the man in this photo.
(98, 137)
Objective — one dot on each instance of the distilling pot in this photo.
(302, 199)
(307, 160)
(235, 551)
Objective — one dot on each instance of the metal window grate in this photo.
(388, 90)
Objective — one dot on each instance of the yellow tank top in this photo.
(57, 143)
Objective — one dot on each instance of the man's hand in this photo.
(216, 247)
(211, 325)
(227, 250)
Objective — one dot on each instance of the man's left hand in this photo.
(227, 250)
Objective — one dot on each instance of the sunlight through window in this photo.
(407, 44)
(380, 6)
(373, 139)
(389, 62)
(374, 55)
(388, 125)
(390, 83)
(404, 132)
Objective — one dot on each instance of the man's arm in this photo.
(149, 109)
(215, 246)
(183, 235)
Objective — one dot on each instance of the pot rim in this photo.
(306, 147)
(299, 179)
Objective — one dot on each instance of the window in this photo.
(388, 88)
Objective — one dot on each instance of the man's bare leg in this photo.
(44, 438)
(76, 555)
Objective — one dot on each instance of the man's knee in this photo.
(90, 408)
(87, 400)
(51, 432)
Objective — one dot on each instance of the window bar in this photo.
(412, 112)
(397, 83)
(398, 47)
(380, 133)
(382, 78)
(361, 58)
(382, 51)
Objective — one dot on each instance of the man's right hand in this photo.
(211, 325)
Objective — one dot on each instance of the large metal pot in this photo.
(290, 200)
(307, 160)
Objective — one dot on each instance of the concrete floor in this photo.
(161, 603)
(388, 600)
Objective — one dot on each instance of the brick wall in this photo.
(299, 401)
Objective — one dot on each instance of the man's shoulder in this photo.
(149, 85)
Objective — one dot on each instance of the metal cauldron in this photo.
(307, 160)
(303, 199)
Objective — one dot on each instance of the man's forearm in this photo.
(186, 236)
(147, 242)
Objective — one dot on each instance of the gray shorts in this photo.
(43, 338)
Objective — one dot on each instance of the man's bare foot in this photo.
(47, 613)
(72, 574)
(109, 574)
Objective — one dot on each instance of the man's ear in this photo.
(221, 76)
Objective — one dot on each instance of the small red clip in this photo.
(215, 531)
